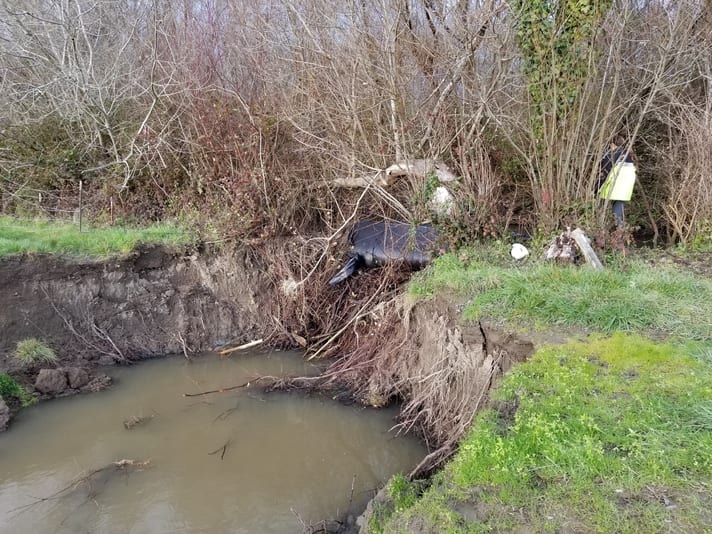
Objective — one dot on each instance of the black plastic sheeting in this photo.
(374, 244)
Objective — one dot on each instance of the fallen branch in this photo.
(118, 465)
(386, 178)
(230, 388)
(241, 347)
(585, 246)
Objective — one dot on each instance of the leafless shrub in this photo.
(219, 103)
(688, 160)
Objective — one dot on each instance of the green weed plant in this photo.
(10, 389)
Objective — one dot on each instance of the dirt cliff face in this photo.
(151, 302)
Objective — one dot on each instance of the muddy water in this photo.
(289, 459)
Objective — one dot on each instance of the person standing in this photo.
(617, 178)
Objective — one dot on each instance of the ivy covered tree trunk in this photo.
(556, 39)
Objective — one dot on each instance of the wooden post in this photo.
(586, 249)
(111, 209)
(81, 187)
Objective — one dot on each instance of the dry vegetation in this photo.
(240, 115)
(243, 112)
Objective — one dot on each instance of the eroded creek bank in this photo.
(149, 303)
(156, 301)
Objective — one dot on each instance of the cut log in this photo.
(562, 249)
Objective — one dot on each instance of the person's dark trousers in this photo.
(618, 211)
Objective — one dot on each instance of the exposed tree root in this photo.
(363, 328)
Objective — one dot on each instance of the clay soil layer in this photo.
(152, 302)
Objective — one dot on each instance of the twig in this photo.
(304, 525)
(355, 318)
(333, 235)
(225, 414)
(70, 325)
(223, 449)
(103, 334)
(230, 388)
(184, 346)
(351, 495)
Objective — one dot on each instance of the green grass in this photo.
(637, 298)
(54, 237)
(401, 495)
(10, 389)
(32, 351)
(610, 435)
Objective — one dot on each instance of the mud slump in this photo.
(237, 461)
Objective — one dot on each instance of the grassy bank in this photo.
(634, 296)
(611, 435)
(51, 236)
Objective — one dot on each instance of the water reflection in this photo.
(237, 461)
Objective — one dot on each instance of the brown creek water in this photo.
(289, 459)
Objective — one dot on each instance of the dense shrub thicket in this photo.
(244, 112)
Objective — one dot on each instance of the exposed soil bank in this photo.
(152, 302)
(156, 301)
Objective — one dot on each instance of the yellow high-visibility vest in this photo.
(619, 183)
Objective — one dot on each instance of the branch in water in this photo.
(229, 388)
(223, 449)
(118, 465)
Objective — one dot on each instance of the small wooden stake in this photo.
(586, 250)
